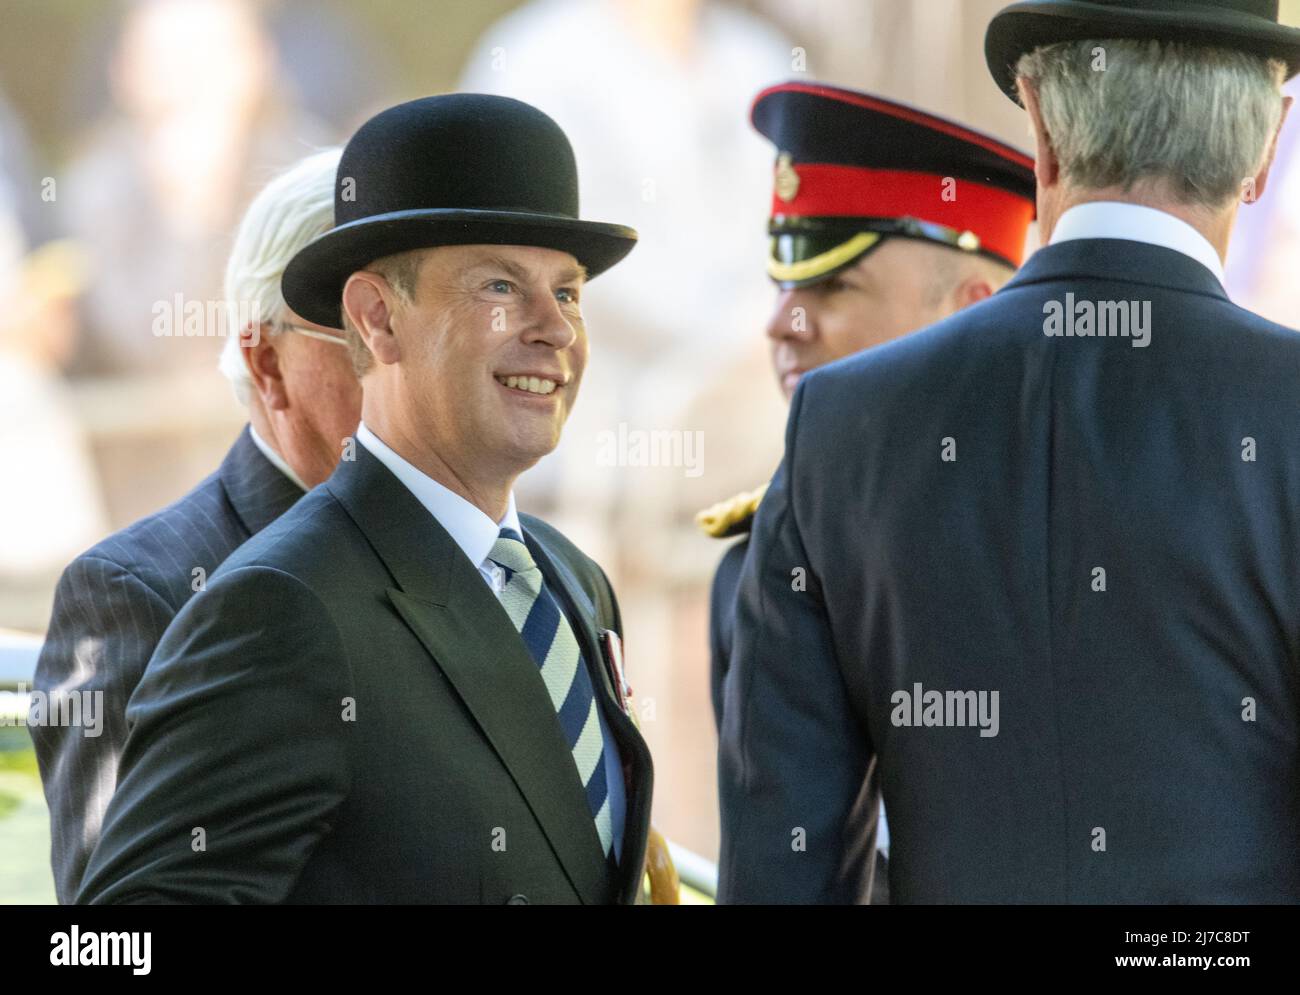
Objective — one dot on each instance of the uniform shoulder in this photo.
(732, 517)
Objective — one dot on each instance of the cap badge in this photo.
(787, 180)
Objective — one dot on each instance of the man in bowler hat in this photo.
(405, 690)
(1034, 567)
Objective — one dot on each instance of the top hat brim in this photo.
(1023, 27)
(313, 281)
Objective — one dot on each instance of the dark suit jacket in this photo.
(1122, 770)
(348, 715)
(722, 634)
(722, 620)
(110, 609)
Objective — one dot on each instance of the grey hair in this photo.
(1196, 121)
(290, 211)
(402, 271)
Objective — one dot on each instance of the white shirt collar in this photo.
(276, 459)
(473, 531)
(1135, 223)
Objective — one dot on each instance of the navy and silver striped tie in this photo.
(554, 648)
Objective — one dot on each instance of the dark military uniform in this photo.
(726, 520)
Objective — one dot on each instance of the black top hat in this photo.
(1248, 25)
(455, 169)
(854, 170)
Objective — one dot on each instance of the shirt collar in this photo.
(1135, 223)
(473, 531)
(275, 458)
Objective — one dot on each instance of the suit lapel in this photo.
(638, 768)
(443, 599)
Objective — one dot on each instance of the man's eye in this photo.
(567, 296)
(501, 286)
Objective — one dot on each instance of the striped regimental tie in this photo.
(550, 640)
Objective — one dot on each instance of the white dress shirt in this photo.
(472, 530)
(475, 533)
(276, 459)
(1135, 223)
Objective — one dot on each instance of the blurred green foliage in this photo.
(25, 877)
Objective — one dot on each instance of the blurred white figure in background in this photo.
(655, 97)
(50, 501)
(200, 120)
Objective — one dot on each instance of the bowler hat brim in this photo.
(1023, 27)
(313, 281)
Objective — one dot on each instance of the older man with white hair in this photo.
(115, 600)
(303, 396)
(1030, 573)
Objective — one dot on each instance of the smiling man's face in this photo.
(493, 351)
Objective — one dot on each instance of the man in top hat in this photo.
(405, 690)
(1029, 574)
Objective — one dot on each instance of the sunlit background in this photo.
(132, 135)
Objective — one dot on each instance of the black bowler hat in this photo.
(455, 169)
(854, 170)
(1247, 25)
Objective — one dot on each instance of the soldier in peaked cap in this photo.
(884, 219)
(1050, 599)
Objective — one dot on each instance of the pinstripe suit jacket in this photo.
(111, 607)
(347, 715)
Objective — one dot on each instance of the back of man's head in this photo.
(1184, 123)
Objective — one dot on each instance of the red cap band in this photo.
(999, 219)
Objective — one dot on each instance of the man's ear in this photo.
(1047, 168)
(366, 302)
(970, 291)
(262, 358)
(1253, 188)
